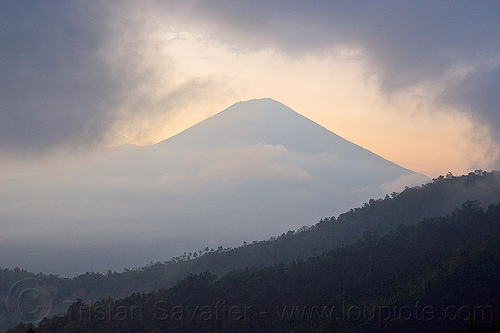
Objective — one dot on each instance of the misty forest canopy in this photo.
(246, 173)
(401, 250)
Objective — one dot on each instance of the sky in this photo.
(416, 83)
(85, 81)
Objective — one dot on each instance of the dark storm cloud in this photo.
(72, 71)
(53, 87)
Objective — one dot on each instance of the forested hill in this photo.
(438, 276)
(437, 198)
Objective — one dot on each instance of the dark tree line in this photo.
(439, 197)
(437, 276)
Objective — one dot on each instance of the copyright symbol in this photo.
(30, 300)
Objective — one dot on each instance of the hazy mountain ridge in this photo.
(437, 276)
(378, 216)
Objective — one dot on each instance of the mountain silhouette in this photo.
(268, 124)
(252, 171)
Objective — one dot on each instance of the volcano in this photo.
(255, 170)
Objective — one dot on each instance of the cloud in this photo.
(478, 92)
(406, 43)
(231, 167)
(53, 88)
(399, 184)
(86, 75)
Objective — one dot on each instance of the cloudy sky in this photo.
(416, 83)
